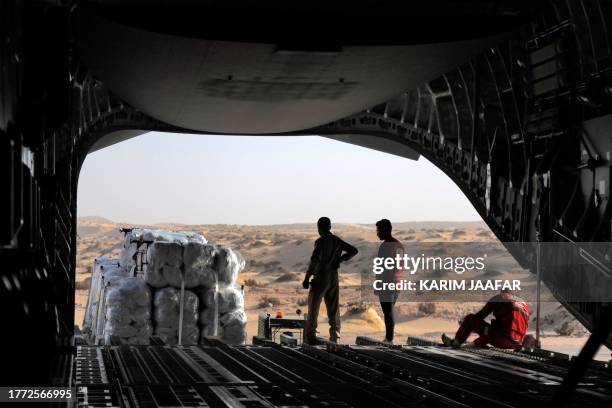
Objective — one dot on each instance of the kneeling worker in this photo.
(328, 252)
(507, 329)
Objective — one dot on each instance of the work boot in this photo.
(387, 341)
(310, 341)
(448, 342)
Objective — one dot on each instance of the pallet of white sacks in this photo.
(172, 285)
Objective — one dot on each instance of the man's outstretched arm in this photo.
(349, 251)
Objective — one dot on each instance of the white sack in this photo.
(228, 263)
(128, 309)
(127, 261)
(207, 297)
(197, 260)
(233, 326)
(195, 237)
(208, 277)
(128, 293)
(230, 298)
(172, 275)
(166, 308)
(165, 253)
(169, 236)
(111, 274)
(164, 260)
(155, 276)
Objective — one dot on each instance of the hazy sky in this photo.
(196, 179)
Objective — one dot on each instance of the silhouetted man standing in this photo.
(390, 248)
(328, 252)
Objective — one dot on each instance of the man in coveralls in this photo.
(507, 329)
(329, 252)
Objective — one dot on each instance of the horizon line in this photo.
(281, 224)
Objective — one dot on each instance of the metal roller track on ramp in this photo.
(327, 375)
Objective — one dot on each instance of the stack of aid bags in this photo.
(173, 285)
(194, 287)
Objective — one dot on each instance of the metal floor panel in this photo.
(321, 376)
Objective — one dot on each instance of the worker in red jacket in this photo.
(506, 330)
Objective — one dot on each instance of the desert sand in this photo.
(278, 255)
